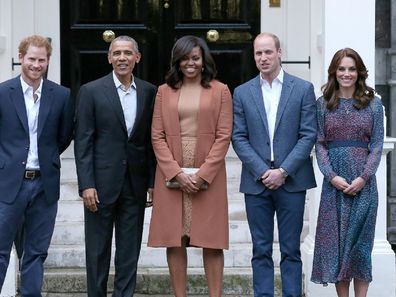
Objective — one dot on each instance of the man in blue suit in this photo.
(274, 132)
(36, 126)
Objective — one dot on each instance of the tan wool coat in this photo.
(209, 226)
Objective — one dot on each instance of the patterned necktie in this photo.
(35, 97)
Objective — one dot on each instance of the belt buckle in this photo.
(30, 174)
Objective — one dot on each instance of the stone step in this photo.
(68, 256)
(72, 210)
(72, 233)
(153, 282)
(135, 295)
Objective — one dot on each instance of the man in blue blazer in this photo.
(36, 126)
(274, 132)
(115, 167)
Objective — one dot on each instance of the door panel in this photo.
(156, 25)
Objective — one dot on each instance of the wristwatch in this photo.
(284, 172)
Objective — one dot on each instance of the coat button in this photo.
(23, 163)
(124, 162)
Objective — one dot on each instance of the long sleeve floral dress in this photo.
(349, 145)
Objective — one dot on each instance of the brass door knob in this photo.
(212, 35)
(108, 36)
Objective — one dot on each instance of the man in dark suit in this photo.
(274, 132)
(115, 167)
(36, 126)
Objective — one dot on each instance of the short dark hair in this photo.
(125, 38)
(181, 49)
(363, 93)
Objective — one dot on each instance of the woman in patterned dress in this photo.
(191, 128)
(348, 149)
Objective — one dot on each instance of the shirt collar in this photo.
(279, 78)
(26, 87)
(118, 84)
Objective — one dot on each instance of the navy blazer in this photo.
(294, 135)
(102, 147)
(55, 132)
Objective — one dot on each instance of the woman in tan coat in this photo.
(191, 128)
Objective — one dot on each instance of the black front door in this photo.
(228, 26)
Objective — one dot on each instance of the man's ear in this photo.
(139, 56)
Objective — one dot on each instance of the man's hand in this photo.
(149, 201)
(273, 179)
(90, 197)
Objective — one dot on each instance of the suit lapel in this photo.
(111, 95)
(140, 103)
(255, 88)
(18, 99)
(204, 100)
(46, 101)
(172, 109)
(284, 98)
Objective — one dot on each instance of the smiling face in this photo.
(34, 64)
(191, 64)
(123, 56)
(347, 74)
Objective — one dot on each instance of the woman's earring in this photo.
(202, 69)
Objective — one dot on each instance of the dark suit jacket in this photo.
(55, 131)
(294, 135)
(103, 150)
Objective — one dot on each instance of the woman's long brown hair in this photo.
(363, 93)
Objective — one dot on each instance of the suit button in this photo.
(23, 163)
(124, 162)
(27, 148)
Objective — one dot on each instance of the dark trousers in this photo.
(289, 209)
(126, 216)
(39, 216)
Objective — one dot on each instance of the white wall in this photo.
(5, 39)
(20, 18)
(317, 76)
(291, 23)
(350, 24)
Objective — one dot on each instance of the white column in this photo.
(349, 24)
(383, 257)
(5, 39)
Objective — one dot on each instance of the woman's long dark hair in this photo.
(181, 49)
(363, 93)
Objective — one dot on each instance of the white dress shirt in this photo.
(32, 111)
(128, 100)
(271, 96)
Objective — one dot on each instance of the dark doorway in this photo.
(228, 26)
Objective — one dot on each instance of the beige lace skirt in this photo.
(188, 148)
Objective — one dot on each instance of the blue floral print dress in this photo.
(349, 145)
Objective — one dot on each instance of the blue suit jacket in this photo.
(55, 131)
(294, 136)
